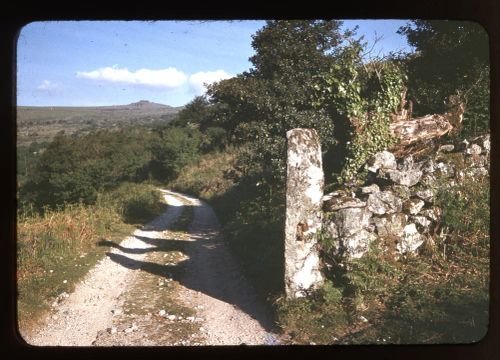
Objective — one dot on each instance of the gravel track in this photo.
(212, 285)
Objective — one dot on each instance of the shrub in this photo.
(137, 203)
(173, 149)
(76, 169)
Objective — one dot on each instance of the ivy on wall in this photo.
(367, 94)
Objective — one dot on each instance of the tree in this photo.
(172, 149)
(277, 94)
(74, 169)
(200, 114)
(195, 112)
(309, 74)
(451, 58)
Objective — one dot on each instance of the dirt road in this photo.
(122, 300)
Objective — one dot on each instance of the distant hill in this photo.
(41, 123)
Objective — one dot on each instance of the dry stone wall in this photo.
(396, 203)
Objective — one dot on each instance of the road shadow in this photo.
(208, 269)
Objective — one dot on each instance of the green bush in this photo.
(74, 169)
(137, 203)
(172, 149)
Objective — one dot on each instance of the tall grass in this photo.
(207, 177)
(43, 239)
(56, 248)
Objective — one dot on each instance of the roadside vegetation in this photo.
(57, 247)
(439, 296)
(229, 148)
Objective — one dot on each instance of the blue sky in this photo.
(92, 63)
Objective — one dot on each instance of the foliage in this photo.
(366, 94)
(136, 203)
(276, 95)
(74, 169)
(452, 58)
(195, 113)
(439, 296)
(174, 149)
(200, 114)
(27, 158)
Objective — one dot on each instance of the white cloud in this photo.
(168, 78)
(198, 80)
(47, 85)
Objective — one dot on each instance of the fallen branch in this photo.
(427, 127)
(420, 129)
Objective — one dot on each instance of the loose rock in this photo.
(337, 203)
(373, 188)
(474, 149)
(391, 225)
(411, 239)
(404, 177)
(446, 148)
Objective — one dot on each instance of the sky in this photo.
(98, 63)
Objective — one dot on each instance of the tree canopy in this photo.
(451, 58)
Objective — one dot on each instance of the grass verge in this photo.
(206, 178)
(57, 248)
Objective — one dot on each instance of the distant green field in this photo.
(41, 124)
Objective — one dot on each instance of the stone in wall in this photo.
(413, 206)
(304, 192)
(391, 225)
(351, 227)
(397, 200)
(411, 239)
(381, 160)
(384, 202)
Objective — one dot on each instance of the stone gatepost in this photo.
(304, 191)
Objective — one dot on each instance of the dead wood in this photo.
(427, 127)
